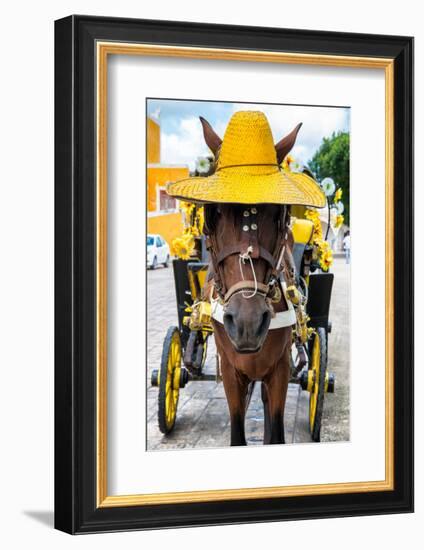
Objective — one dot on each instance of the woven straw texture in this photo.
(247, 171)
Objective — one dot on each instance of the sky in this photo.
(182, 137)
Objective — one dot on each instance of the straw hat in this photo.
(247, 171)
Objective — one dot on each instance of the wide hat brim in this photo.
(232, 185)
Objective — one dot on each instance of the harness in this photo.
(249, 249)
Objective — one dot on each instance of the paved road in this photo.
(202, 416)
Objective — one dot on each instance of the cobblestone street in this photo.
(202, 415)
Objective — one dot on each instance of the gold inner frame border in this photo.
(103, 50)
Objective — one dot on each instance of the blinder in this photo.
(210, 213)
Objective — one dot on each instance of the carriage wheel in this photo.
(319, 368)
(169, 380)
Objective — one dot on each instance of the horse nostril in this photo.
(266, 318)
(228, 319)
(231, 326)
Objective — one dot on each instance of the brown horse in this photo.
(246, 272)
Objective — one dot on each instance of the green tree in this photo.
(332, 160)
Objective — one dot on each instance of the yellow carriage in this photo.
(185, 346)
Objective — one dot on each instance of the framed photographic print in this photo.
(233, 266)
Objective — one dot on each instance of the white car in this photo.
(157, 251)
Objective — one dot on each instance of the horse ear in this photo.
(285, 145)
(213, 141)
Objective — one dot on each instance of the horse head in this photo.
(247, 244)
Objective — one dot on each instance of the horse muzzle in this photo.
(246, 322)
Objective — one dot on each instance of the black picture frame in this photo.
(76, 510)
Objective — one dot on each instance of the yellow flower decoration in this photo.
(184, 246)
(322, 252)
(193, 219)
(313, 216)
(339, 220)
(338, 194)
(200, 219)
(325, 256)
(187, 207)
(194, 231)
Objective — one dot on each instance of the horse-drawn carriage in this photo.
(185, 346)
(297, 292)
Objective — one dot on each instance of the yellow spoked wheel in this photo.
(316, 376)
(169, 380)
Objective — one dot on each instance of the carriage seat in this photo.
(302, 231)
(302, 235)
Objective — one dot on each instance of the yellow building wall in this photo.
(169, 226)
(153, 142)
(159, 176)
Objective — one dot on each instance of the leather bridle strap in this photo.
(276, 265)
(249, 241)
(242, 286)
(258, 252)
(211, 247)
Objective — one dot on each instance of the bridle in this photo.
(249, 249)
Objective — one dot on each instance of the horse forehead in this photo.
(257, 222)
(261, 209)
(245, 212)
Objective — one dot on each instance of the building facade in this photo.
(163, 216)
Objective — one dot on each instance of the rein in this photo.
(249, 249)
